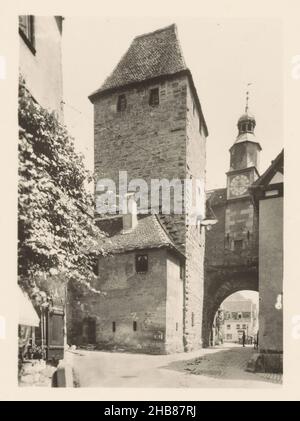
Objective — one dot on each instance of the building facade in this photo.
(142, 286)
(240, 316)
(40, 66)
(267, 194)
(40, 59)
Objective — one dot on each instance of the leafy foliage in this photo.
(56, 230)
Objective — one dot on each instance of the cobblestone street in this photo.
(213, 367)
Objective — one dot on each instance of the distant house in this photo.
(239, 316)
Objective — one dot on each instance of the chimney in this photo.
(130, 220)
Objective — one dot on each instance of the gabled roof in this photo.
(149, 55)
(148, 234)
(266, 177)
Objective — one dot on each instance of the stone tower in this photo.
(148, 121)
(244, 165)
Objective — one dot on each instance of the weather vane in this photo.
(247, 97)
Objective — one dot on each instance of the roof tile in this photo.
(150, 55)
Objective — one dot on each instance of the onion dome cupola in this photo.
(244, 156)
(244, 153)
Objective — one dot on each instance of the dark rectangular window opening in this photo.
(134, 326)
(141, 263)
(238, 245)
(182, 271)
(177, 327)
(193, 319)
(154, 97)
(26, 30)
(113, 326)
(122, 103)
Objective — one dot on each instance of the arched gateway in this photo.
(231, 253)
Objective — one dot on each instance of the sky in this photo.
(223, 56)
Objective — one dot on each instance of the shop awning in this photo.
(27, 314)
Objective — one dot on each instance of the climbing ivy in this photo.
(56, 230)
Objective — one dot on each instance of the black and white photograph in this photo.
(151, 211)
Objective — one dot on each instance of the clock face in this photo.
(239, 185)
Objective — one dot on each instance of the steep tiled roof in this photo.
(150, 55)
(276, 165)
(148, 233)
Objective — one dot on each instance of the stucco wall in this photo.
(130, 297)
(174, 306)
(270, 273)
(42, 71)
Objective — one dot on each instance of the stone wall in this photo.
(174, 306)
(42, 70)
(229, 270)
(270, 274)
(144, 298)
(195, 235)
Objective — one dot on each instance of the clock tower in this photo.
(240, 218)
(244, 158)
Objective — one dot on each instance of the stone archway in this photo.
(218, 286)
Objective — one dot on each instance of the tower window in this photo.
(182, 271)
(122, 103)
(114, 326)
(26, 28)
(141, 263)
(193, 320)
(134, 326)
(154, 97)
(176, 326)
(238, 245)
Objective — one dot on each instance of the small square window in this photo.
(154, 97)
(228, 327)
(122, 103)
(238, 326)
(244, 326)
(141, 263)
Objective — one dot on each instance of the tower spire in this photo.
(247, 98)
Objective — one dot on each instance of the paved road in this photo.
(213, 367)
